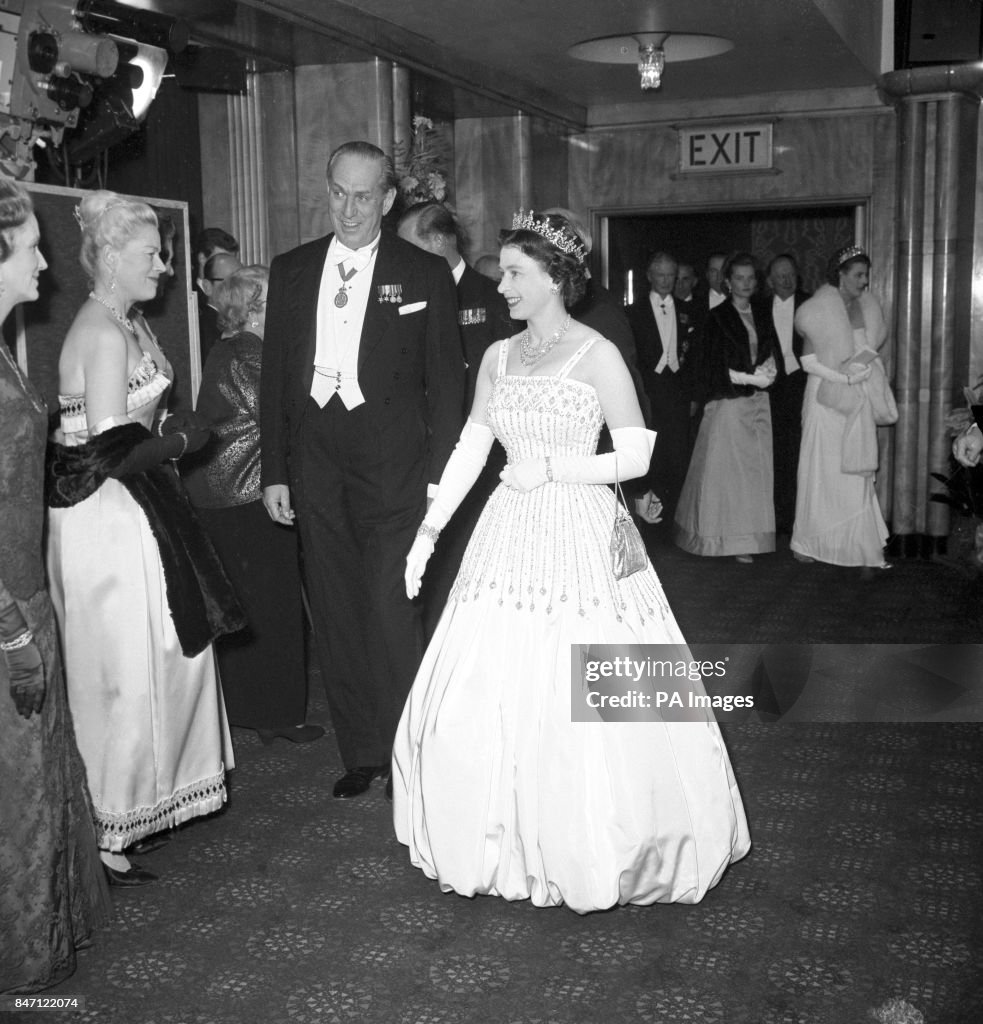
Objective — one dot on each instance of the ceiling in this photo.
(513, 53)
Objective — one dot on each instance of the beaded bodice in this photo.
(546, 550)
(144, 387)
(535, 416)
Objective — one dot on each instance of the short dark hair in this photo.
(209, 240)
(16, 207)
(367, 151)
(565, 269)
(212, 262)
(433, 218)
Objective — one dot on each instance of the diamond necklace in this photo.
(531, 352)
(123, 321)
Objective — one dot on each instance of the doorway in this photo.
(810, 233)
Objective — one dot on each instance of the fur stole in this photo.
(200, 597)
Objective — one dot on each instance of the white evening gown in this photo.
(837, 515)
(150, 723)
(495, 789)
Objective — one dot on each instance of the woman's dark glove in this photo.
(184, 421)
(156, 450)
(23, 661)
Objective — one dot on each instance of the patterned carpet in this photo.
(863, 886)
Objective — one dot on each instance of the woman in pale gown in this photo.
(138, 589)
(837, 517)
(726, 505)
(496, 788)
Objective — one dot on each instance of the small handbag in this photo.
(628, 554)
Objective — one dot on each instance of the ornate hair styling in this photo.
(523, 221)
(83, 223)
(847, 253)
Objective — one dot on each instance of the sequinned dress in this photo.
(150, 722)
(495, 789)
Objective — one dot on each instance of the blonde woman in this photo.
(139, 591)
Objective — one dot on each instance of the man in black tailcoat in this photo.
(788, 391)
(664, 338)
(360, 406)
(483, 318)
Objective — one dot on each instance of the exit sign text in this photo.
(718, 150)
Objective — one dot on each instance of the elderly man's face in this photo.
(782, 278)
(357, 200)
(662, 276)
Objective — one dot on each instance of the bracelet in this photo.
(19, 642)
(428, 531)
(184, 445)
(549, 470)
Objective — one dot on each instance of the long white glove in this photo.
(630, 458)
(463, 468)
(812, 365)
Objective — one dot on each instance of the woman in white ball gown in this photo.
(496, 789)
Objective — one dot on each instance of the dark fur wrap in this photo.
(202, 602)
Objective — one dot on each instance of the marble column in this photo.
(938, 138)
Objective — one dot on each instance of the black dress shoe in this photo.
(135, 876)
(296, 734)
(357, 780)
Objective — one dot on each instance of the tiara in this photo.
(848, 252)
(523, 221)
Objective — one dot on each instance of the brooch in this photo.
(390, 293)
(467, 317)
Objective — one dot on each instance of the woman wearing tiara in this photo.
(138, 589)
(495, 789)
(837, 517)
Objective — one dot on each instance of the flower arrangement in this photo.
(960, 420)
(897, 1011)
(421, 165)
(964, 490)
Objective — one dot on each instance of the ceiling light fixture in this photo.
(651, 51)
(651, 62)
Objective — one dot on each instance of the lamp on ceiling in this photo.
(651, 63)
(651, 50)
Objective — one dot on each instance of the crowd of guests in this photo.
(766, 401)
(414, 459)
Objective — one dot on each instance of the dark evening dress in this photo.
(262, 667)
(52, 889)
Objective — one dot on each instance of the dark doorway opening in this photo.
(810, 233)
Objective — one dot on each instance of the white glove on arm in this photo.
(630, 458)
(463, 468)
(812, 365)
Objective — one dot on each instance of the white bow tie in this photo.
(355, 258)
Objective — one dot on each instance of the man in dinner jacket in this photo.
(361, 403)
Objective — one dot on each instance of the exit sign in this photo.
(726, 148)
